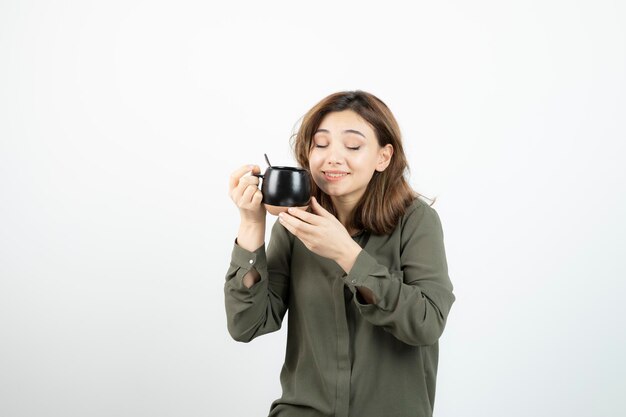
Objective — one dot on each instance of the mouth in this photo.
(334, 175)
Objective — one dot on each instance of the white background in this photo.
(120, 122)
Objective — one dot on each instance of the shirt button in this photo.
(251, 261)
(353, 281)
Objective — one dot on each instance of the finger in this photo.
(244, 183)
(236, 175)
(256, 169)
(287, 225)
(304, 215)
(318, 209)
(295, 225)
(251, 179)
(235, 194)
(246, 197)
(257, 198)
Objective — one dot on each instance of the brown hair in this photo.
(388, 194)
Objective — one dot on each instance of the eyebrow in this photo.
(356, 132)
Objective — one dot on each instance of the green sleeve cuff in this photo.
(384, 284)
(242, 261)
(359, 275)
(247, 260)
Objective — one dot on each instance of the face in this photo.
(345, 154)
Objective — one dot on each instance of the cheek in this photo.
(364, 160)
(314, 159)
(367, 168)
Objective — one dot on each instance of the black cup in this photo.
(285, 187)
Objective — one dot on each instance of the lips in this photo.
(335, 175)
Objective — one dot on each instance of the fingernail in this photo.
(290, 209)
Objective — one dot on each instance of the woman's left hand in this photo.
(322, 233)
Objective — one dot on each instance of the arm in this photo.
(251, 237)
(411, 304)
(259, 309)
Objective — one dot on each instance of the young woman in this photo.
(363, 273)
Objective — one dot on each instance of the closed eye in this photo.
(321, 146)
(354, 148)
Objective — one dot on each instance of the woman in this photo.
(363, 274)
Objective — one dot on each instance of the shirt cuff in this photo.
(359, 275)
(247, 260)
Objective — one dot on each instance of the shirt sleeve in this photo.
(412, 304)
(260, 309)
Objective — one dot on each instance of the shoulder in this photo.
(418, 208)
(420, 215)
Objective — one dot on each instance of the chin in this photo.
(334, 191)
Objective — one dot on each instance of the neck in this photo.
(345, 208)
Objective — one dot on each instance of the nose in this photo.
(335, 156)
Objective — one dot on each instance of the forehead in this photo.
(346, 120)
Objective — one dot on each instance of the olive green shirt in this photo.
(344, 357)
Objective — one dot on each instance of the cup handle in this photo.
(258, 175)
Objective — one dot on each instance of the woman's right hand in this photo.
(244, 191)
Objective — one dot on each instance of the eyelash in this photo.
(356, 148)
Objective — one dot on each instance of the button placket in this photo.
(344, 367)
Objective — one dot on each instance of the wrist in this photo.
(347, 258)
(251, 236)
(252, 220)
(251, 223)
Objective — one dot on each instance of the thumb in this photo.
(318, 209)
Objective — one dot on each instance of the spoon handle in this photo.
(267, 160)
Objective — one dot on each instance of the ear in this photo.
(384, 157)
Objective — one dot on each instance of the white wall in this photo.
(120, 122)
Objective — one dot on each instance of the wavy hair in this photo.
(388, 193)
